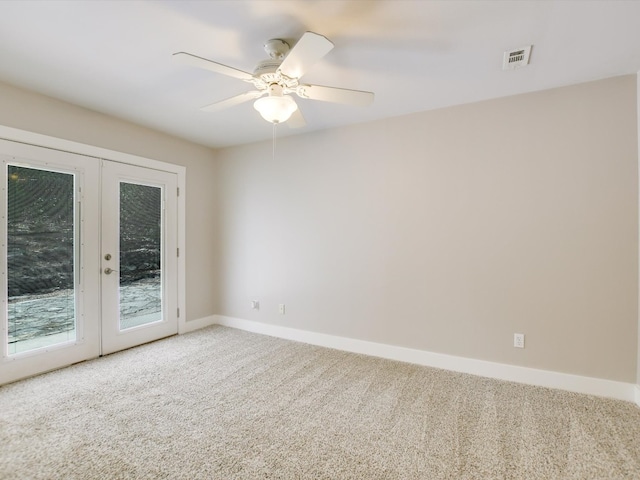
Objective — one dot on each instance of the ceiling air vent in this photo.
(516, 58)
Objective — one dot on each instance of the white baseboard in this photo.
(186, 327)
(531, 376)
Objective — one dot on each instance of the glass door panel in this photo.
(49, 259)
(140, 255)
(41, 253)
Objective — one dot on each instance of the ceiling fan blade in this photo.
(296, 120)
(357, 98)
(310, 48)
(216, 67)
(232, 101)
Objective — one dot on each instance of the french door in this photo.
(87, 258)
(139, 255)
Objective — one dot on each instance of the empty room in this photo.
(319, 239)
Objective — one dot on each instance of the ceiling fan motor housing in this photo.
(266, 67)
(266, 73)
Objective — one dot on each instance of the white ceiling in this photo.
(115, 57)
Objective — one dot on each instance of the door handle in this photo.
(108, 271)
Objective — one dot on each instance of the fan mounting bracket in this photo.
(276, 48)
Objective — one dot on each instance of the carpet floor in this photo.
(225, 404)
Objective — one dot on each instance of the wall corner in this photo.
(638, 285)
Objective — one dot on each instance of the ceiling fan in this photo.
(278, 77)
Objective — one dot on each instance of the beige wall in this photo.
(450, 230)
(446, 231)
(36, 113)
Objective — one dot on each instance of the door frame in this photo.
(67, 146)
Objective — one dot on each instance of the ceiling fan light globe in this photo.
(275, 109)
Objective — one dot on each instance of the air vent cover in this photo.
(516, 58)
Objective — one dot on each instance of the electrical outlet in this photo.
(281, 308)
(255, 305)
(518, 340)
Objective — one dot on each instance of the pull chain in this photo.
(274, 142)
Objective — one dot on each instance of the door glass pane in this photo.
(41, 307)
(140, 255)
